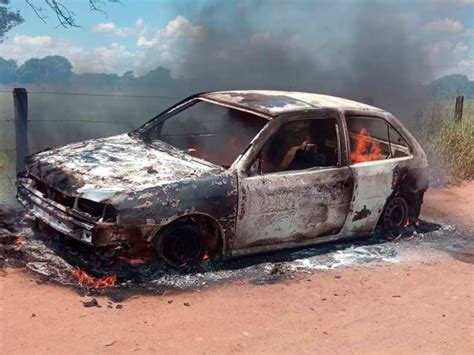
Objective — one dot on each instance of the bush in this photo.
(453, 144)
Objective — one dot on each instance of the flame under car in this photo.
(224, 174)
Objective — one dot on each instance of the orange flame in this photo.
(146, 255)
(19, 241)
(233, 147)
(82, 277)
(133, 260)
(85, 279)
(106, 282)
(366, 149)
(412, 222)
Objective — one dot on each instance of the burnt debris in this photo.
(94, 271)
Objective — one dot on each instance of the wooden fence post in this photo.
(20, 104)
(458, 109)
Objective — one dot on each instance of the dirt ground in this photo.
(454, 204)
(417, 306)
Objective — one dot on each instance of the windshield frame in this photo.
(183, 104)
(140, 132)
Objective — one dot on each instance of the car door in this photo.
(378, 155)
(298, 203)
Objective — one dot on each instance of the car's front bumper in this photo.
(76, 224)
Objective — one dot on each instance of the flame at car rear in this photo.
(415, 222)
(366, 148)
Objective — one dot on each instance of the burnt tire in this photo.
(181, 245)
(415, 200)
(395, 214)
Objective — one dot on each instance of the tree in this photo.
(50, 69)
(451, 86)
(8, 69)
(64, 15)
(158, 77)
(96, 81)
(8, 18)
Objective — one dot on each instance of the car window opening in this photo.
(208, 131)
(372, 139)
(302, 144)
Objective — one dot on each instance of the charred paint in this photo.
(279, 102)
(398, 175)
(292, 206)
(122, 190)
(363, 213)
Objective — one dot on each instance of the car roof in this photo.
(272, 102)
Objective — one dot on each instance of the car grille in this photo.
(95, 209)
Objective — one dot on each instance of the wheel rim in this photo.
(182, 247)
(395, 214)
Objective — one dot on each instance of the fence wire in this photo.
(76, 121)
(97, 94)
(43, 131)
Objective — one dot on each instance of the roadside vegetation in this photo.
(449, 144)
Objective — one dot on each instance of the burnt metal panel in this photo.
(292, 205)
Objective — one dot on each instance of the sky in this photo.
(139, 35)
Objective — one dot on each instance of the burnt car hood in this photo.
(101, 168)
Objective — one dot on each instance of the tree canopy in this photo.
(50, 69)
(8, 71)
(8, 18)
(56, 71)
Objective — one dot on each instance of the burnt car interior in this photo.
(372, 138)
(297, 145)
(208, 131)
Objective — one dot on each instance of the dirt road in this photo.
(417, 306)
(454, 204)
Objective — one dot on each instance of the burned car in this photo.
(225, 174)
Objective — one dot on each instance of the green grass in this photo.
(450, 144)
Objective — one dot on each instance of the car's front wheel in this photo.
(181, 245)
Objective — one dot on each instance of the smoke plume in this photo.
(352, 49)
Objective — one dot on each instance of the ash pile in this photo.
(93, 271)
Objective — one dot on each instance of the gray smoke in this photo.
(355, 49)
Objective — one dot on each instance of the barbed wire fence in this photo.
(54, 118)
(39, 119)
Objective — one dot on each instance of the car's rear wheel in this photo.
(395, 214)
(181, 245)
